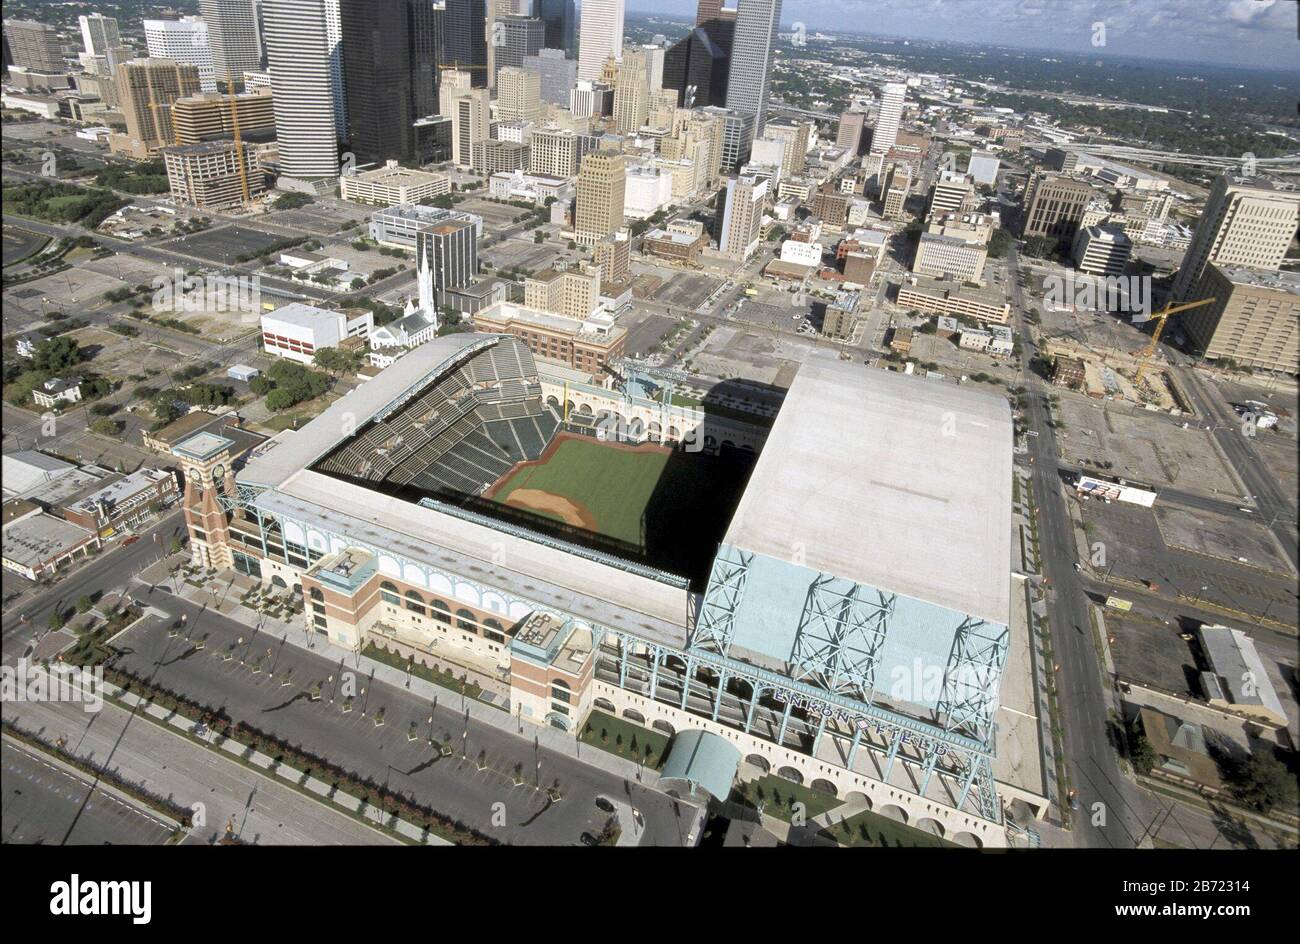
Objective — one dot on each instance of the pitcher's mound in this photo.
(534, 499)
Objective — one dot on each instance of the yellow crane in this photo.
(233, 98)
(1161, 317)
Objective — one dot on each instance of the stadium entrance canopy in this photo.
(700, 761)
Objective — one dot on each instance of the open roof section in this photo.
(890, 481)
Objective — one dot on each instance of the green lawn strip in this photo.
(778, 797)
(873, 830)
(625, 738)
(444, 678)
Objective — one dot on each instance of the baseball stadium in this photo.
(833, 607)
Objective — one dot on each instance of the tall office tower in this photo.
(598, 209)
(103, 45)
(334, 46)
(849, 133)
(600, 36)
(557, 74)
(446, 256)
(99, 34)
(33, 46)
(514, 38)
(737, 136)
(558, 152)
(952, 193)
(710, 130)
(751, 58)
(518, 94)
(794, 138)
(742, 218)
(184, 40)
(298, 53)
(1247, 221)
(1054, 206)
(464, 38)
(236, 42)
(1254, 319)
(654, 65)
(146, 90)
(470, 111)
(885, 134)
(440, 30)
(697, 68)
(560, 19)
(631, 92)
(590, 99)
(388, 75)
(209, 115)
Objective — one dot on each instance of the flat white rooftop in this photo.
(887, 481)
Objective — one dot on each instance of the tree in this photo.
(56, 354)
(84, 603)
(1263, 781)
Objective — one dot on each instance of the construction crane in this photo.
(240, 162)
(1161, 317)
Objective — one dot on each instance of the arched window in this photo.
(465, 620)
(440, 611)
(316, 594)
(494, 631)
(560, 691)
(414, 603)
(389, 592)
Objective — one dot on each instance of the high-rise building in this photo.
(794, 138)
(1054, 206)
(558, 152)
(389, 75)
(514, 38)
(446, 257)
(598, 210)
(894, 189)
(885, 134)
(560, 19)
(557, 75)
(1101, 250)
(34, 46)
(299, 53)
(208, 115)
(209, 176)
(465, 38)
(742, 216)
(236, 40)
(573, 293)
(99, 34)
(737, 136)
(750, 72)
(601, 36)
(1247, 221)
(850, 131)
(1253, 321)
(146, 90)
(631, 92)
(589, 99)
(697, 67)
(470, 113)
(953, 193)
(518, 94)
(103, 45)
(184, 40)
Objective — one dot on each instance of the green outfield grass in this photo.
(614, 485)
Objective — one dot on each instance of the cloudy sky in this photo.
(1239, 32)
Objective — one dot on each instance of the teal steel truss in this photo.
(841, 635)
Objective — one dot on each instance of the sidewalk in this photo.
(480, 711)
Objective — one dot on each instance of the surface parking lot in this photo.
(1143, 448)
(464, 789)
(223, 245)
(1135, 550)
(684, 288)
